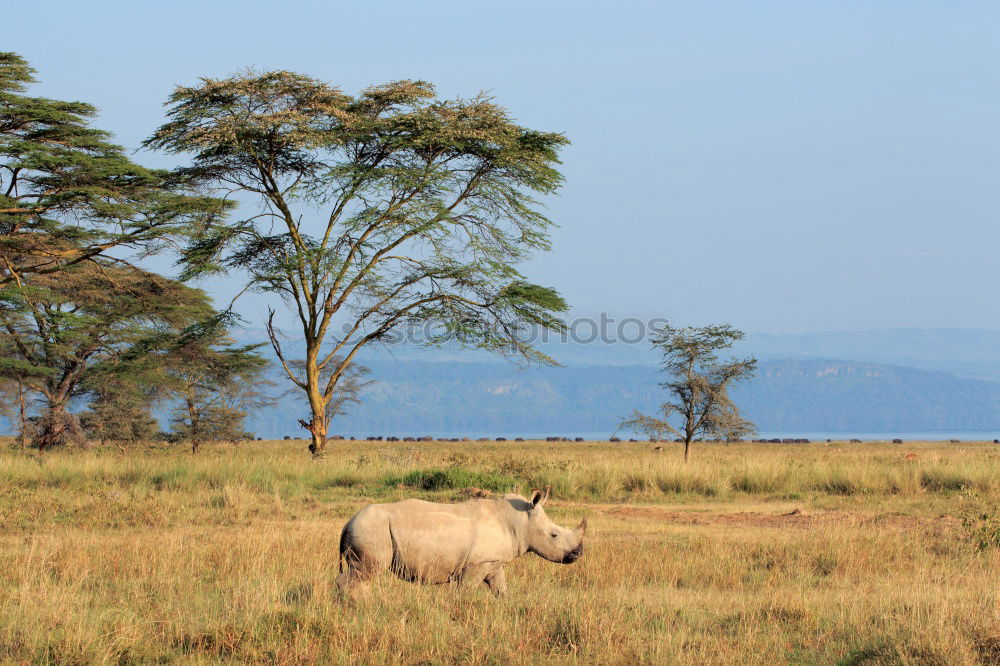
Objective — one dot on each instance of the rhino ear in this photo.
(539, 497)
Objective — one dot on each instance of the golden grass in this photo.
(229, 556)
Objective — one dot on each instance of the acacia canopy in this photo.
(59, 331)
(67, 194)
(376, 211)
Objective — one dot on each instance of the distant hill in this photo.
(891, 380)
(412, 397)
(964, 352)
(848, 395)
(909, 344)
(972, 353)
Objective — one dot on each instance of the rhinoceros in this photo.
(470, 542)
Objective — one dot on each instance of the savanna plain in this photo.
(815, 553)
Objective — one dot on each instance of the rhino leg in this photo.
(496, 580)
(366, 549)
(352, 585)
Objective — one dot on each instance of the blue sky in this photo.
(784, 166)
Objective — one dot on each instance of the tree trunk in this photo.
(22, 415)
(317, 404)
(192, 411)
(58, 427)
(317, 432)
(687, 448)
(318, 444)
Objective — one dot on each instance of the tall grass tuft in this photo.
(759, 479)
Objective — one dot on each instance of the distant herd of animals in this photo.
(428, 438)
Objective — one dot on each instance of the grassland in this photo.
(840, 553)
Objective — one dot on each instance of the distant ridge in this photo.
(788, 395)
(854, 381)
(865, 381)
(836, 395)
(973, 353)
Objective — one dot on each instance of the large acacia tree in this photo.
(372, 212)
(60, 330)
(68, 194)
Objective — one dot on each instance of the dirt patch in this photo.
(473, 493)
(797, 518)
(742, 518)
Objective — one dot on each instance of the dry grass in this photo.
(228, 556)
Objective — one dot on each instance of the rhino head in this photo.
(548, 540)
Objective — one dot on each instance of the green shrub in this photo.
(452, 478)
(939, 478)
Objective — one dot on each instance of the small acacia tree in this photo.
(375, 211)
(120, 412)
(699, 385)
(214, 383)
(197, 421)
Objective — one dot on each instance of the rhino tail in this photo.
(343, 550)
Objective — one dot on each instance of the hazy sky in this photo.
(784, 166)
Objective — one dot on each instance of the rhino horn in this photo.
(581, 529)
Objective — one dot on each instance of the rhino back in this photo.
(435, 542)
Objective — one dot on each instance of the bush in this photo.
(452, 478)
(939, 478)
